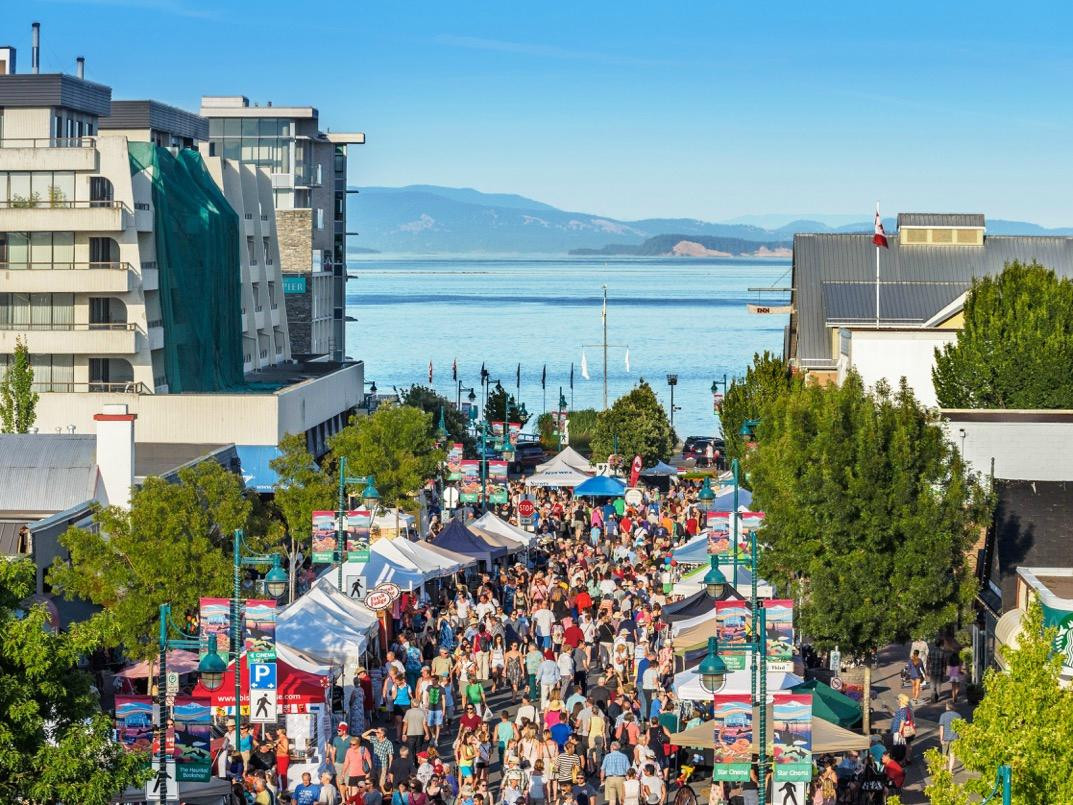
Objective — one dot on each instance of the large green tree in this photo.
(639, 422)
(1025, 721)
(173, 546)
(501, 403)
(55, 743)
(18, 400)
(582, 427)
(767, 379)
(395, 444)
(870, 514)
(301, 488)
(432, 402)
(1016, 348)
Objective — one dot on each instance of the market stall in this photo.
(830, 705)
(327, 627)
(571, 458)
(601, 486)
(511, 545)
(456, 537)
(558, 473)
(826, 737)
(489, 522)
(687, 685)
(393, 523)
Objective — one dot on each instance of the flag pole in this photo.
(604, 316)
(877, 270)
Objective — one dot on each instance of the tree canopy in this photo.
(768, 378)
(1024, 721)
(582, 426)
(395, 444)
(1016, 346)
(301, 488)
(170, 547)
(641, 425)
(501, 403)
(870, 514)
(55, 743)
(432, 402)
(18, 400)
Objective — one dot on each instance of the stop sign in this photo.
(526, 508)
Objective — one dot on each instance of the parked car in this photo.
(527, 455)
(696, 446)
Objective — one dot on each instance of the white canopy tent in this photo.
(689, 623)
(495, 525)
(393, 522)
(326, 629)
(435, 565)
(558, 472)
(462, 559)
(687, 684)
(572, 458)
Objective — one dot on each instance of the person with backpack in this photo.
(903, 727)
(434, 701)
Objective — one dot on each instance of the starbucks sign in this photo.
(1062, 620)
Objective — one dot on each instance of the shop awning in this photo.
(1007, 635)
(830, 705)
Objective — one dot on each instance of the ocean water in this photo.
(686, 317)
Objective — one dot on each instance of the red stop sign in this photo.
(526, 508)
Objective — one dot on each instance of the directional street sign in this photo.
(263, 692)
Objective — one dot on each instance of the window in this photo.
(103, 250)
(100, 191)
(268, 251)
(38, 311)
(251, 251)
(340, 206)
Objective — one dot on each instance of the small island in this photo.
(691, 246)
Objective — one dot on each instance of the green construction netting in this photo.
(198, 260)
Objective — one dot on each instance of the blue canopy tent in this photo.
(694, 552)
(660, 469)
(456, 537)
(599, 487)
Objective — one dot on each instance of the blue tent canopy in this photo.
(724, 498)
(600, 486)
(694, 552)
(661, 469)
(456, 537)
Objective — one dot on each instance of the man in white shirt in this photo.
(526, 711)
(543, 619)
(652, 789)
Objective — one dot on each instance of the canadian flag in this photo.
(880, 237)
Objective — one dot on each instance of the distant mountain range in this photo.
(693, 246)
(426, 219)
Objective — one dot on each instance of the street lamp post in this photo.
(484, 457)
(369, 496)
(275, 585)
(562, 416)
(211, 668)
(458, 395)
(672, 381)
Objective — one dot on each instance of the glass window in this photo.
(18, 249)
(42, 366)
(3, 188)
(233, 149)
(249, 149)
(5, 310)
(62, 189)
(63, 308)
(20, 309)
(249, 127)
(216, 128)
(267, 127)
(284, 128)
(63, 249)
(40, 309)
(232, 127)
(40, 250)
(63, 371)
(20, 189)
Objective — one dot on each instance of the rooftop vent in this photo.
(940, 229)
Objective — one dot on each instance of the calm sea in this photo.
(675, 316)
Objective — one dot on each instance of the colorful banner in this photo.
(515, 431)
(733, 747)
(791, 727)
(260, 630)
(497, 432)
(734, 624)
(779, 633)
(134, 722)
(454, 462)
(215, 618)
(470, 486)
(193, 739)
(1062, 620)
(324, 540)
(358, 527)
(497, 482)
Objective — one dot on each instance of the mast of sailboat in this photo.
(605, 346)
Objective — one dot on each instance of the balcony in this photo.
(72, 339)
(63, 216)
(123, 387)
(48, 154)
(59, 277)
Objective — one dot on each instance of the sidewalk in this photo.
(886, 685)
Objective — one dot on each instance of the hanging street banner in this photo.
(733, 746)
(193, 738)
(792, 736)
(470, 491)
(515, 431)
(215, 619)
(260, 630)
(134, 722)
(263, 693)
(497, 482)
(734, 624)
(357, 527)
(779, 640)
(324, 542)
(497, 434)
(454, 462)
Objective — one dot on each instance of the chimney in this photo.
(35, 54)
(80, 67)
(115, 452)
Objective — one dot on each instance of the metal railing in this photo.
(35, 203)
(121, 387)
(154, 323)
(48, 142)
(142, 205)
(80, 326)
(64, 265)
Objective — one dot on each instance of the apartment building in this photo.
(308, 170)
(140, 269)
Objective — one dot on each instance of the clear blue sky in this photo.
(699, 109)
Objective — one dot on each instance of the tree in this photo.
(169, 548)
(766, 380)
(870, 514)
(640, 424)
(55, 743)
(1025, 721)
(301, 488)
(431, 402)
(18, 400)
(582, 427)
(1016, 347)
(502, 407)
(394, 444)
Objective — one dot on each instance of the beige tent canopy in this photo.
(826, 737)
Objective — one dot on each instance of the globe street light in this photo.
(715, 582)
(212, 667)
(370, 496)
(712, 669)
(276, 578)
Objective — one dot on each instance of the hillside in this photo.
(426, 219)
(693, 246)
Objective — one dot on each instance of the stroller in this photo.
(907, 682)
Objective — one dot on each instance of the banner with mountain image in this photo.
(733, 746)
(733, 625)
(358, 528)
(470, 486)
(779, 634)
(193, 739)
(497, 482)
(134, 722)
(515, 431)
(259, 629)
(214, 618)
(791, 731)
(454, 462)
(324, 537)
